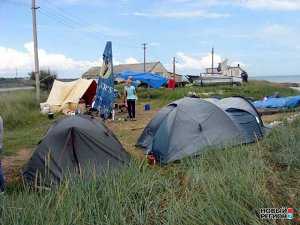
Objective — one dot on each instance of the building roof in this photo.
(137, 67)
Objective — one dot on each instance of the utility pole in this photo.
(212, 60)
(145, 48)
(174, 67)
(36, 56)
(16, 72)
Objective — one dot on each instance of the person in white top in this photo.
(130, 98)
(2, 182)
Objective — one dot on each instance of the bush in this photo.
(47, 78)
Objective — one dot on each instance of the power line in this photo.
(59, 15)
(69, 25)
(79, 28)
(76, 22)
(63, 14)
(79, 25)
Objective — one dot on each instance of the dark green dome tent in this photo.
(72, 145)
(245, 115)
(191, 125)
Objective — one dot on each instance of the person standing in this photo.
(130, 98)
(2, 182)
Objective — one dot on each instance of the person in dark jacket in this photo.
(244, 76)
(2, 182)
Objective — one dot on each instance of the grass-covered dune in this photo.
(218, 187)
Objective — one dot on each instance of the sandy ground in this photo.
(129, 131)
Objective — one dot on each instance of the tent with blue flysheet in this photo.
(278, 103)
(105, 89)
(154, 80)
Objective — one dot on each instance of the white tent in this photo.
(66, 95)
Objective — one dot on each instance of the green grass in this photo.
(25, 126)
(25, 137)
(23, 123)
(219, 187)
(253, 89)
(19, 109)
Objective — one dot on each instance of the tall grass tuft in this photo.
(19, 109)
(24, 125)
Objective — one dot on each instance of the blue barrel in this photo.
(147, 107)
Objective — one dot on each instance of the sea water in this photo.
(278, 79)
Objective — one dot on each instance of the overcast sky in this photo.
(261, 35)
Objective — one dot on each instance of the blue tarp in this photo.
(152, 79)
(284, 102)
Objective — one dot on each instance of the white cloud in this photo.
(182, 14)
(188, 64)
(154, 44)
(12, 59)
(131, 60)
(275, 31)
(281, 5)
(191, 63)
(279, 33)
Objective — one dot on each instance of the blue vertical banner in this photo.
(105, 89)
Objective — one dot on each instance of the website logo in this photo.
(283, 213)
(290, 213)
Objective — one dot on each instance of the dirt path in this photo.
(129, 131)
(12, 164)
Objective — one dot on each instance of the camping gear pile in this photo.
(74, 145)
(189, 126)
(66, 96)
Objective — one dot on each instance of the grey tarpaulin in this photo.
(191, 125)
(73, 144)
